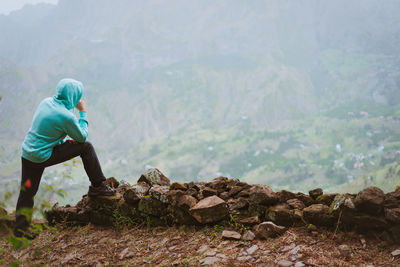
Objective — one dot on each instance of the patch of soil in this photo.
(193, 246)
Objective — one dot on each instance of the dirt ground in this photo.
(193, 246)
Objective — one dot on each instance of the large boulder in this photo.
(363, 222)
(154, 176)
(131, 197)
(186, 202)
(326, 199)
(318, 214)
(193, 185)
(234, 190)
(238, 204)
(192, 192)
(285, 195)
(370, 200)
(256, 210)
(268, 229)
(218, 184)
(263, 195)
(315, 193)
(208, 191)
(395, 231)
(281, 214)
(210, 209)
(226, 234)
(250, 220)
(392, 200)
(393, 215)
(181, 216)
(178, 186)
(306, 199)
(160, 193)
(128, 211)
(102, 209)
(224, 195)
(343, 203)
(244, 193)
(105, 203)
(133, 194)
(152, 206)
(295, 203)
(180, 205)
(174, 195)
(67, 214)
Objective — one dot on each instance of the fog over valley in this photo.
(292, 94)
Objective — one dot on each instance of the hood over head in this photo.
(69, 92)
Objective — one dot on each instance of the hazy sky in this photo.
(6, 6)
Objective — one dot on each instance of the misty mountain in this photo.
(155, 71)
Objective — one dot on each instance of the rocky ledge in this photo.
(153, 200)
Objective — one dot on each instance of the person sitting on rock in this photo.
(45, 145)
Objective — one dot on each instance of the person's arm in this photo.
(78, 130)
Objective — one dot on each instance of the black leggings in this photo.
(33, 172)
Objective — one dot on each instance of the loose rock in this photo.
(284, 263)
(289, 247)
(281, 214)
(263, 195)
(252, 249)
(237, 204)
(396, 252)
(207, 192)
(178, 186)
(370, 200)
(295, 204)
(202, 249)
(154, 176)
(250, 220)
(231, 235)
(210, 209)
(318, 214)
(186, 202)
(209, 260)
(345, 250)
(248, 236)
(315, 193)
(160, 193)
(393, 215)
(268, 229)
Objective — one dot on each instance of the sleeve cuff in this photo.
(82, 114)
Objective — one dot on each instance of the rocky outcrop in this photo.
(209, 210)
(370, 200)
(154, 201)
(154, 177)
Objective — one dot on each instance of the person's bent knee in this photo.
(87, 146)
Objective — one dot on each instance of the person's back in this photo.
(52, 122)
(45, 145)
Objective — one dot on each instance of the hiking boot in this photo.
(101, 190)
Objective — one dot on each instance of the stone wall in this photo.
(153, 200)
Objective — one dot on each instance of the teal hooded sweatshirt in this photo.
(53, 121)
